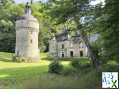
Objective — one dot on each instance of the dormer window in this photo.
(81, 46)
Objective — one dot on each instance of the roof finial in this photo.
(31, 2)
(28, 8)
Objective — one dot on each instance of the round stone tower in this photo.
(27, 30)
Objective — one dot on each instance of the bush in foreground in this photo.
(75, 64)
(55, 67)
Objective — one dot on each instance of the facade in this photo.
(64, 46)
(27, 30)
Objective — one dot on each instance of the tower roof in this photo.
(28, 8)
(27, 20)
(28, 17)
(27, 13)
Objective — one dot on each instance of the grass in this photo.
(11, 69)
(35, 75)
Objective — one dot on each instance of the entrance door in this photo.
(71, 54)
(81, 53)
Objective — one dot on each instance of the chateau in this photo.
(64, 46)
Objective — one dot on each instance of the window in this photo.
(62, 46)
(71, 53)
(17, 53)
(31, 41)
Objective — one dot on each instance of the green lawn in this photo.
(20, 75)
(9, 69)
(35, 75)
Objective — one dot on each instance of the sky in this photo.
(24, 1)
(97, 1)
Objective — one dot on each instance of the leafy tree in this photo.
(6, 26)
(9, 14)
(63, 11)
(45, 25)
(109, 23)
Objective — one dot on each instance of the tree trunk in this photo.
(84, 37)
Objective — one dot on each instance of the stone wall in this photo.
(27, 38)
(70, 49)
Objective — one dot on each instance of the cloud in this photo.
(97, 2)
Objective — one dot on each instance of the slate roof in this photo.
(64, 37)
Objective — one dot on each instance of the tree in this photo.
(109, 23)
(45, 25)
(6, 26)
(67, 10)
(9, 14)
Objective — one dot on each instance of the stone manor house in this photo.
(64, 46)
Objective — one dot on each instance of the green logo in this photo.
(114, 84)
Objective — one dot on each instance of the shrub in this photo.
(86, 66)
(55, 67)
(75, 63)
